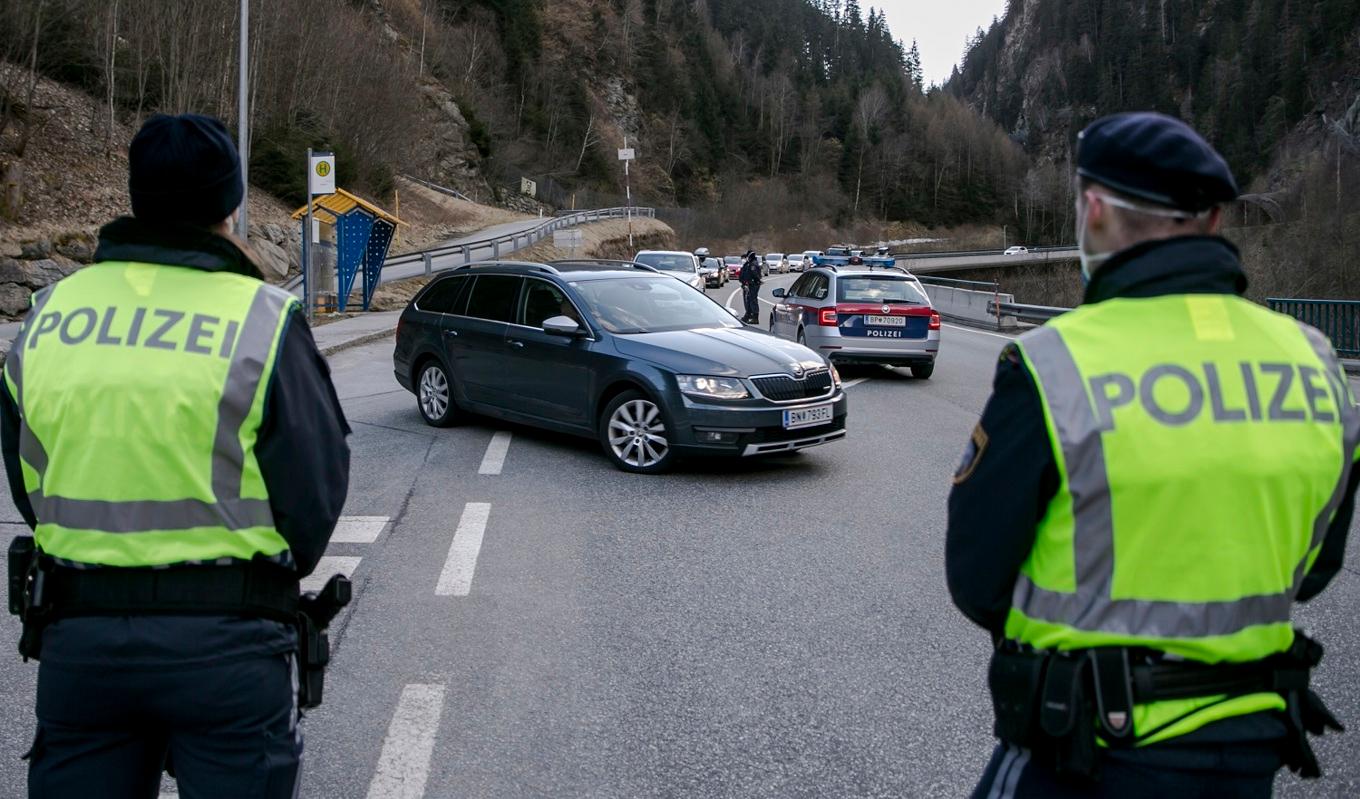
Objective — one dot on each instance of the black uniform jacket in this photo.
(303, 458)
(1004, 486)
(750, 273)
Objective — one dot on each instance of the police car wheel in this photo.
(634, 434)
(434, 395)
(923, 372)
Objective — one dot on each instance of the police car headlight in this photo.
(727, 388)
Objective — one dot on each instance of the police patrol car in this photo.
(850, 315)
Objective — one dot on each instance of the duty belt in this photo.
(1057, 702)
(245, 589)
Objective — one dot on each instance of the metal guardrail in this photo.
(1027, 313)
(1338, 319)
(441, 189)
(949, 281)
(517, 240)
(976, 253)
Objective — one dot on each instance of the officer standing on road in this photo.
(750, 288)
(171, 435)
(1157, 477)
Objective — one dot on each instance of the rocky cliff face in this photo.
(1250, 74)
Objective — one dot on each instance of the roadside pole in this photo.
(243, 121)
(308, 287)
(320, 180)
(625, 155)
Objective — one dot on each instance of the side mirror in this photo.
(779, 293)
(562, 326)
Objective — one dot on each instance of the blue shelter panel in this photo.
(378, 241)
(351, 241)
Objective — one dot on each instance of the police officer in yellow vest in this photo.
(171, 434)
(1158, 476)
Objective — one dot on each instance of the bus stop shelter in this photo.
(362, 233)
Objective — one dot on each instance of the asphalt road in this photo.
(529, 621)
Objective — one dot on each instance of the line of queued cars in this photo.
(622, 352)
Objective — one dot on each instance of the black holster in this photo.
(1043, 703)
(25, 581)
(315, 612)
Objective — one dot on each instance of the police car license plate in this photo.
(886, 321)
(807, 417)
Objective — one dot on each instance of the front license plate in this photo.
(807, 417)
(886, 321)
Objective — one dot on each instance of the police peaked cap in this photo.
(1156, 158)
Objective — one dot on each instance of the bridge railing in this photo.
(515, 241)
(1338, 319)
(980, 285)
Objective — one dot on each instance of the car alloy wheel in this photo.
(635, 434)
(434, 396)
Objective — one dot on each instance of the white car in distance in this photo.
(1016, 250)
(775, 262)
(682, 266)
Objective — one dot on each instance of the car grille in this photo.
(782, 388)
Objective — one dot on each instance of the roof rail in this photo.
(607, 261)
(493, 264)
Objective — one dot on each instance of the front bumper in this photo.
(752, 429)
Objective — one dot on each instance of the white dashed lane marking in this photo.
(456, 578)
(853, 383)
(358, 529)
(326, 566)
(404, 764)
(494, 460)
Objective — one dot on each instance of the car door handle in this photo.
(517, 344)
(451, 332)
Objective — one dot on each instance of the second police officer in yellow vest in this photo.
(171, 434)
(1157, 478)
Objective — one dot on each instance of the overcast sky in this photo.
(940, 28)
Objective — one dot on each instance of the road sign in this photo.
(568, 239)
(323, 173)
(626, 154)
(528, 187)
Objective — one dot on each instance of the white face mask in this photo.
(1089, 260)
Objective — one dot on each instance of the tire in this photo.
(633, 447)
(434, 395)
(923, 372)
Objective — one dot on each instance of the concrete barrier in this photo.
(969, 306)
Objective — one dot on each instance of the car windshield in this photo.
(877, 288)
(650, 304)
(669, 262)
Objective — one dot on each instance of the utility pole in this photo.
(308, 279)
(243, 121)
(628, 192)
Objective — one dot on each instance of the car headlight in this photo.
(835, 375)
(727, 388)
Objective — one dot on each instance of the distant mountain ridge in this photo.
(1249, 74)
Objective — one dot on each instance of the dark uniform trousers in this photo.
(229, 729)
(751, 293)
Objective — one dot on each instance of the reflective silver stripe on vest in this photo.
(230, 511)
(1350, 440)
(253, 348)
(138, 516)
(1092, 608)
(30, 449)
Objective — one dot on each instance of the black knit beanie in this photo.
(184, 169)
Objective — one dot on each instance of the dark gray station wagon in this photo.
(616, 351)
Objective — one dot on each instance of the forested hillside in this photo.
(1245, 72)
(1273, 84)
(816, 101)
